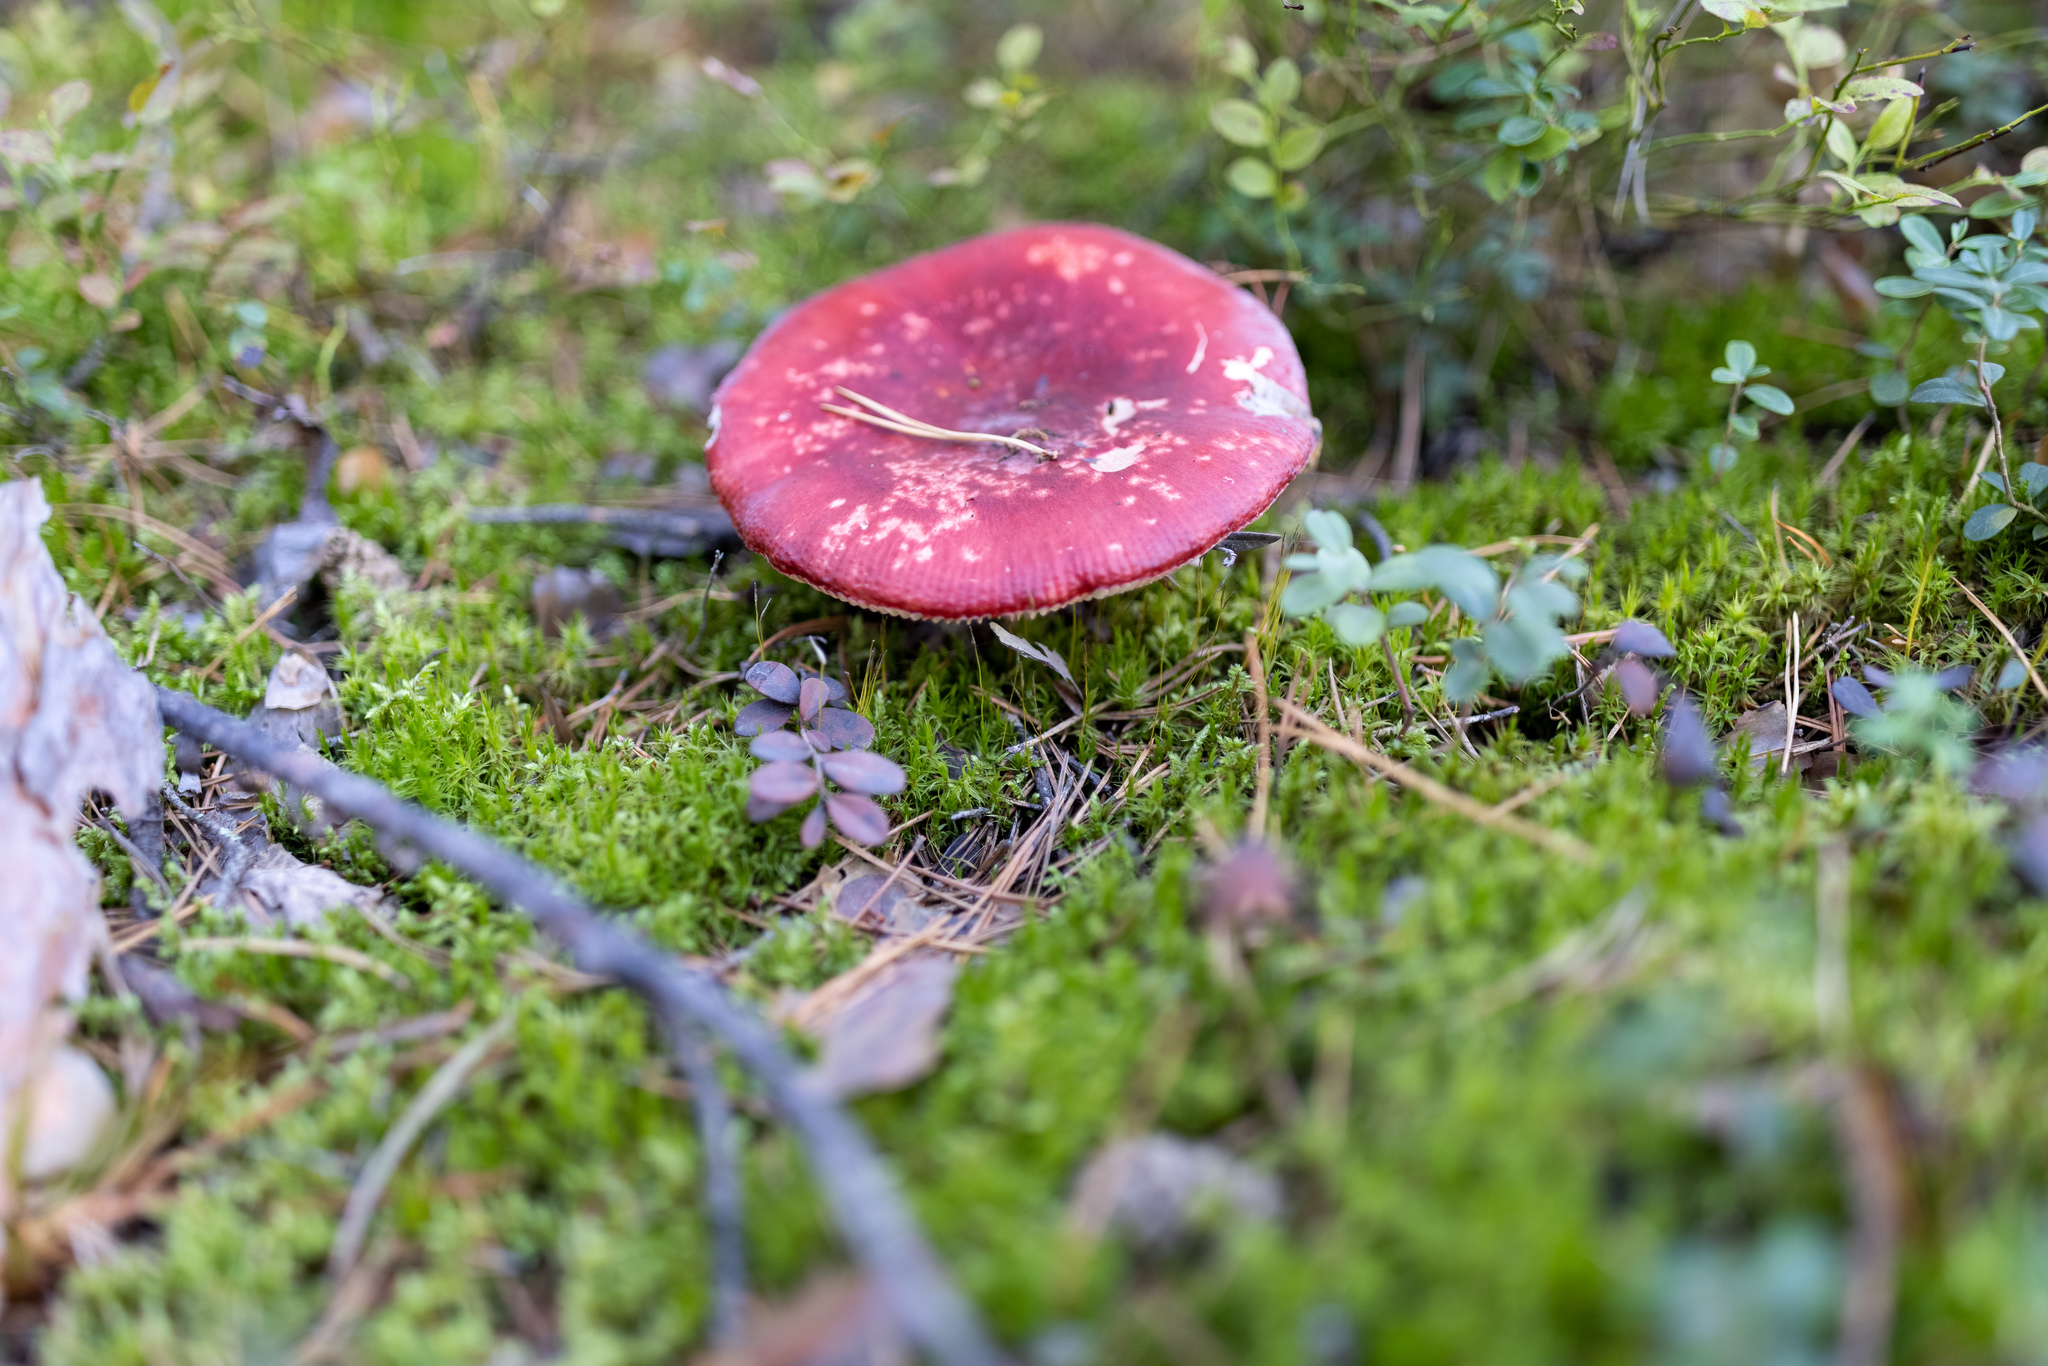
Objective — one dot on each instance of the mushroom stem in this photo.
(894, 421)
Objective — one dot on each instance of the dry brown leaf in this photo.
(73, 719)
(279, 888)
(831, 1321)
(1160, 1189)
(886, 1037)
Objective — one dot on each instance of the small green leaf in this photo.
(1869, 89)
(2012, 675)
(1243, 123)
(1407, 614)
(1741, 357)
(1502, 176)
(1309, 594)
(1555, 142)
(1282, 84)
(1995, 479)
(1743, 425)
(2033, 479)
(1521, 130)
(1903, 286)
(1888, 388)
(1946, 390)
(1328, 529)
(1770, 396)
(1018, 48)
(1468, 672)
(1356, 625)
(1297, 148)
(1923, 235)
(1252, 178)
(1988, 521)
(1721, 457)
(1723, 375)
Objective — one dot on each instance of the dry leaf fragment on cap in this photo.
(1044, 654)
(73, 719)
(1161, 1189)
(886, 1037)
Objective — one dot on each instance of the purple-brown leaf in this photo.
(1639, 686)
(1251, 884)
(760, 812)
(1641, 638)
(758, 717)
(782, 782)
(811, 698)
(858, 818)
(772, 680)
(1853, 697)
(785, 746)
(888, 1036)
(845, 729)
(1951, 679)
(813, 833)
(835, 691)
(861, 771)
(1689, 755)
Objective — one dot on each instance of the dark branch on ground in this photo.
(862, 1195)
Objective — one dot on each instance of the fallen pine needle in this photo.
(299, 948)
(446, 1083)
(1307, 727)
(1992, 617)
(881, 415)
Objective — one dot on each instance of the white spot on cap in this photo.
(1201, 348)
(1116, 286)
(1265, 397)
(1117, 458)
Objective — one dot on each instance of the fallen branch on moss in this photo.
(872, 1217)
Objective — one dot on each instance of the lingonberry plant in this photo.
(831, 746)
(1519, 636)
(1741, 370)
(1991, 283)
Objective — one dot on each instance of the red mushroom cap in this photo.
(1172, 405)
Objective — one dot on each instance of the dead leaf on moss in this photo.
(832, 1321)
(886, 1037)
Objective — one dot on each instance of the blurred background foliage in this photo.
(1512, 226)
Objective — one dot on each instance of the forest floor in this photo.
(1564, 1069)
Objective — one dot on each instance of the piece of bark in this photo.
(73, 719)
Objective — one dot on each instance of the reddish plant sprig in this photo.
(831, 746)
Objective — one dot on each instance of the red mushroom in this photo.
(1009, 425)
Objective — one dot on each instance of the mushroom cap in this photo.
(1173, 404)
